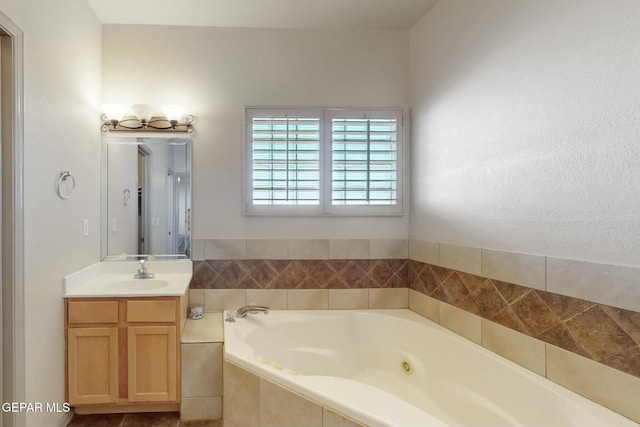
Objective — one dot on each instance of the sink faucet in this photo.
(244, 310)
(143, 273)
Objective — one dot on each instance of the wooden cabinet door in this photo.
(92, 363)
(152, 364)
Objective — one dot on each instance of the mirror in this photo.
(146, 198)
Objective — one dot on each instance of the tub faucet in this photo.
(244, 310)
(143, 273)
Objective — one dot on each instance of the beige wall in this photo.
(61, 133)
(525, 127)
(215, 72)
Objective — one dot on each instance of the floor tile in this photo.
(152, 419)
(146, 419)
(96, 420)
(202, 423)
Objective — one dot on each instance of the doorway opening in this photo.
(171, 216)
(143, 199)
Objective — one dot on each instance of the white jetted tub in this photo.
(396, 368)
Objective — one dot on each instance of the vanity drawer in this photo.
(92, 312)
(151, 311)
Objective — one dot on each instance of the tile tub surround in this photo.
(598, 332)
(519, 305)
(300, 274)
(251, 400)
(603, 333)
(201, 376)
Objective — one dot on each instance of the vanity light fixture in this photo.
(115, 118)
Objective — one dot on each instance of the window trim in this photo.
(325, 206)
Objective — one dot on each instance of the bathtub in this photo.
(396, 368)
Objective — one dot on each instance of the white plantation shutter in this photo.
(364, 158)
(285, 159)
(303, 161)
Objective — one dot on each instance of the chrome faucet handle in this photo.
(143, 272)
(230, 316)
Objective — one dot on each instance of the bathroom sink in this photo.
(115, 279)
(134, 285)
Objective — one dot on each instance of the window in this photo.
(314, 162)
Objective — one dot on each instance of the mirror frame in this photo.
(104, 193)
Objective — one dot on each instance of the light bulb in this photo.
(143, 112)
(114, 111)
(173, 113)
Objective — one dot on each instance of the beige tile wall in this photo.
(241, 403)
(200, 374)
(281, 407)
(616, 285)
(252, 401)
(610, 284)
(204, 249)
(267, 249)
(515, 346)
(301, 299)
(460, 321)
(349, 249)
(609, 387)
(574, 278)
(201, 369)
(461, 258)
(522, 269)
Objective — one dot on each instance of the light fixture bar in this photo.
(135, 124)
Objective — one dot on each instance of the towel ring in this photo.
(64, 192)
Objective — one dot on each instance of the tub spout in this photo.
(243, 311)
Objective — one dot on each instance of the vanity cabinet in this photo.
(92, 352)
(123, 354)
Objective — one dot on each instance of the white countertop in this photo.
(115, 279)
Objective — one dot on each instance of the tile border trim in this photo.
(615, 285)
(564, 276)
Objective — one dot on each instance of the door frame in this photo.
(12, 300)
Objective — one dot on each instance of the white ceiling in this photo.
(301, 14)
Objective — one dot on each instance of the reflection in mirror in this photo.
(146, 198)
